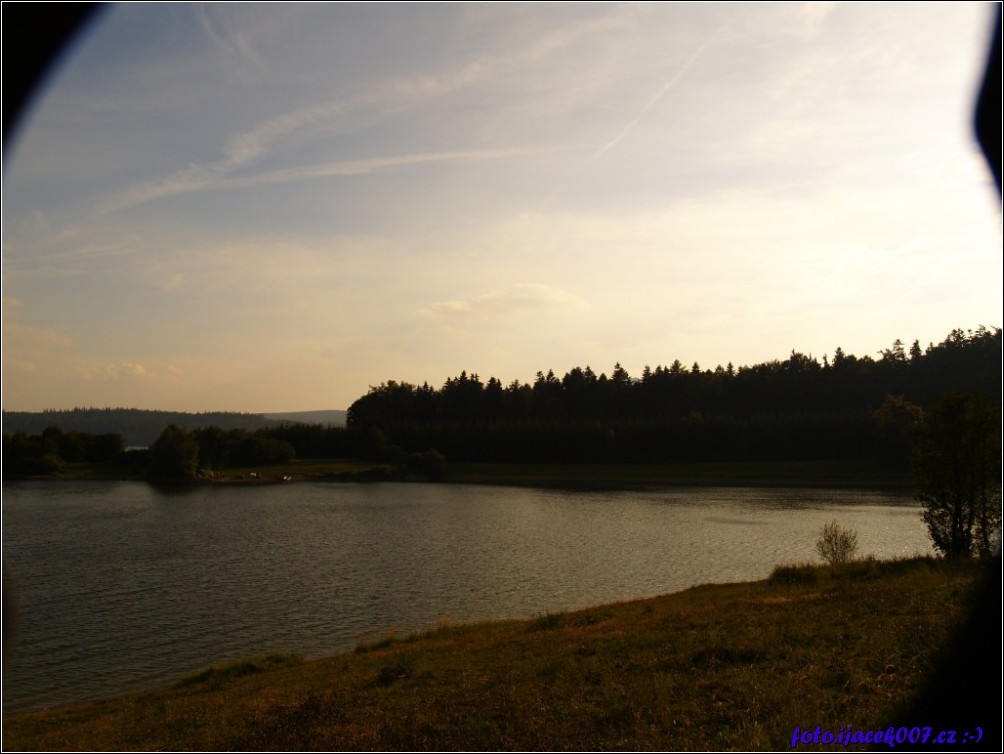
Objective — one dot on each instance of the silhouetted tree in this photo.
(957, 474)
(174, 456)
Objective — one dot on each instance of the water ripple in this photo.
(121, 587)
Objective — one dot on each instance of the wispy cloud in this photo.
(376, 102)
(242, 150)
(39, 337)
(113, 371)
(357, 167)
(518, 299)
(811, 17)
(27, 349)
(232, 44)
(669, 84)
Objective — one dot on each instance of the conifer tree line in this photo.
(802, 408)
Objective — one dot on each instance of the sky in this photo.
(273, 207)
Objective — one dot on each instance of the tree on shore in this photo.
(174, 457)
(957, 474)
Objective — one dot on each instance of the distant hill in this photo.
(140, 427)
(332, 418)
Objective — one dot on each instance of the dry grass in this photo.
(715, 667)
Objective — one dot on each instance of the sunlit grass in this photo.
(217, 675)
(734, 666)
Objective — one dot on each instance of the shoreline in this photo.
(614, 476)
(810, 474)
(718, 666)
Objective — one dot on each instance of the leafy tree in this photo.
(174, 457)
(957, 474)
(104, 447)
(261, 450)
(836, 545)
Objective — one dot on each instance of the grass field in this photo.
(734, 666)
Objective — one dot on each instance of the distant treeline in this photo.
(213, 448)
(47, 452)
(184, 452)
(846, 407)
(138, 427)
(799, 409)
(181, 455)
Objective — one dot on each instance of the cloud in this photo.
(360, 167)
(501, 306)
(255, 273)
(18, 335)
(241, 150)
(669, 84)
(252, 145)
(372, 104)
(810, 18)
(232, 44)
(113, 371)
(28, 349)
(42, 362)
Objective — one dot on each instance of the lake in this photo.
(121, 587)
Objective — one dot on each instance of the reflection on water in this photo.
(739, 521)
(121, 586)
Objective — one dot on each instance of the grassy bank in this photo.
(734, 666)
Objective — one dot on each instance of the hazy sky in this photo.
(271, 207)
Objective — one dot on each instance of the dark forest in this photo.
(846, 407)
(799, 409)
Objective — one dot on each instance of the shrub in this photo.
(46, 464)
(546, 622)
(217, 674)
(792, 575)
(431, 464)
(836, 545)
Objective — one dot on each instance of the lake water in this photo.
(121, 587)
